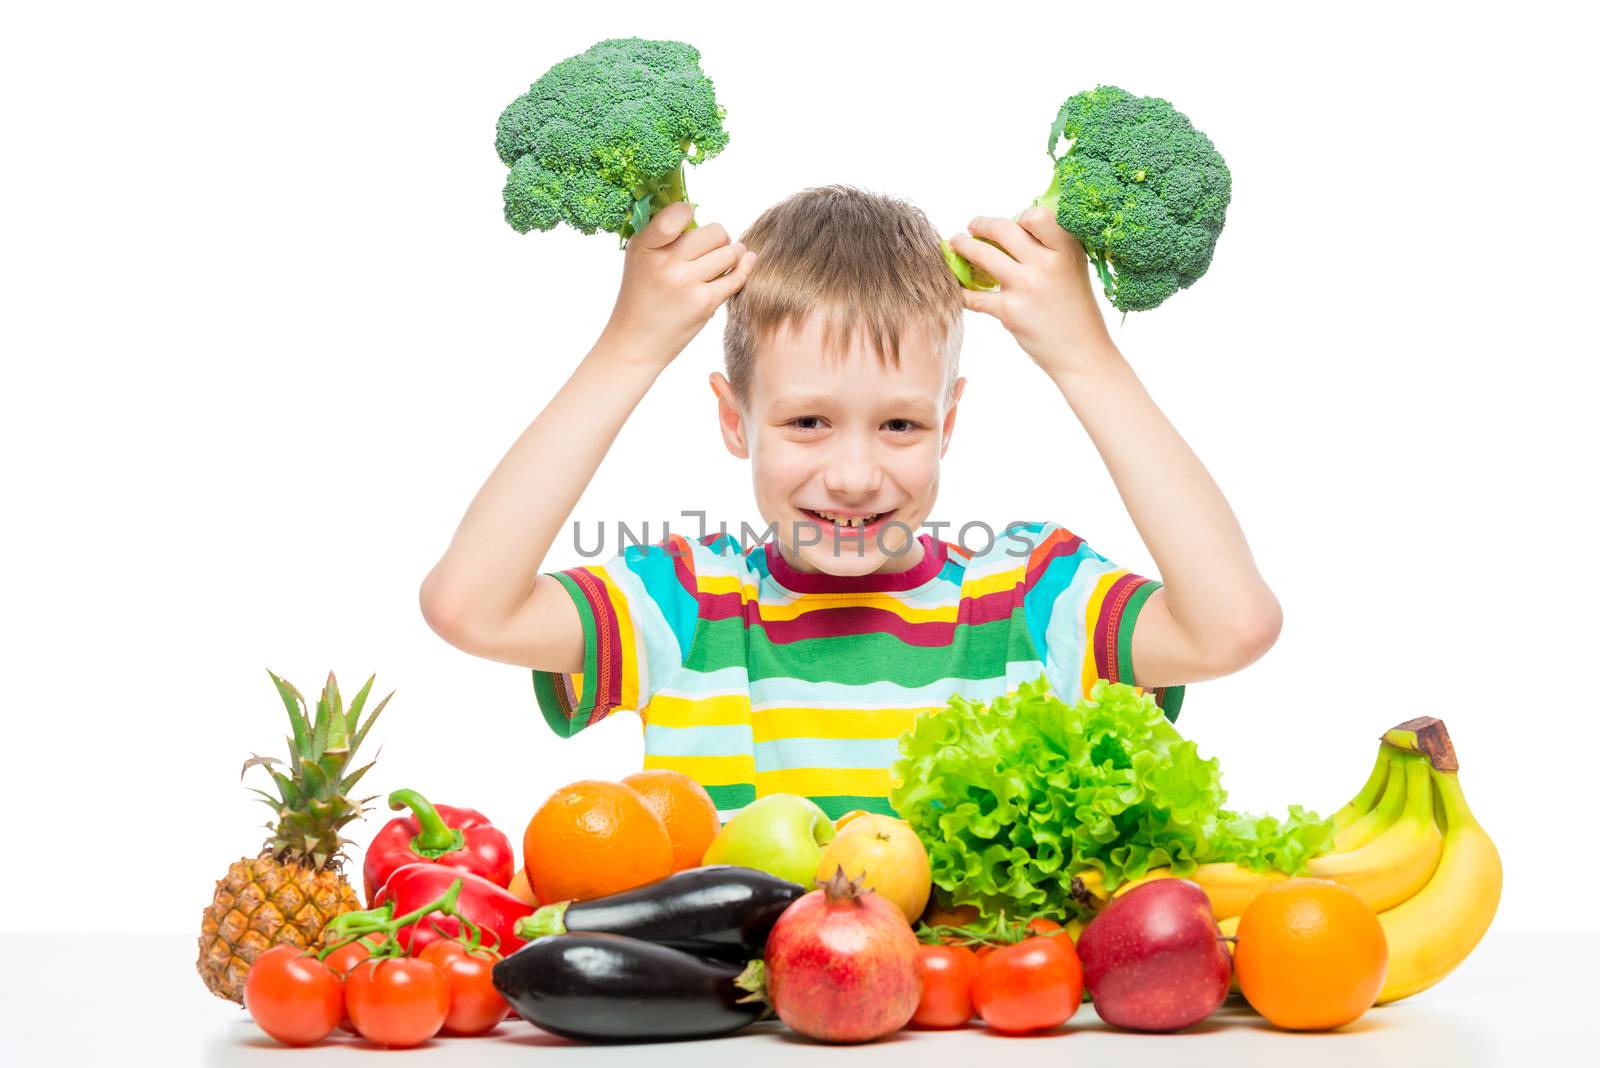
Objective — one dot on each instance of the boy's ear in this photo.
(950, 416)
(729, 416)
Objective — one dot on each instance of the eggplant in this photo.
(609, 988)
(720, 911)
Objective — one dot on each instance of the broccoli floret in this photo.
(1142, 190)
(599, 141)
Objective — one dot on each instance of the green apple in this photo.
(781, 833)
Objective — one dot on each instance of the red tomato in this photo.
(476, 1007)
(1032, 986)
(346, 957)
(947, 973)
(1039, 925)
(341, 960)
(397, 1002)
(293, 996)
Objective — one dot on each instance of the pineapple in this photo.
(290, 892)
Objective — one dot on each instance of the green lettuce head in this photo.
(1016, 797)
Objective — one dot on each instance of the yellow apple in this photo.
(887, 856)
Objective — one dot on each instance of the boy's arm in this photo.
(486, 595)
(1214, 613)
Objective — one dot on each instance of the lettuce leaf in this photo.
(1016, 797)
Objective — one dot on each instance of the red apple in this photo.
(1153, 959)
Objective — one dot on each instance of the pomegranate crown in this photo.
(840, 887)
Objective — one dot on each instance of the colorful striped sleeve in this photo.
(639, 611)
(1081, 610)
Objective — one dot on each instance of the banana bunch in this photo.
(1432, 932)
(1407, 845)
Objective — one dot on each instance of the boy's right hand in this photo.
(673, 281)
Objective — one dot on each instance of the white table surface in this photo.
(1523, 998)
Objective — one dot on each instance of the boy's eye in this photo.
(900, 426)
(806, 422)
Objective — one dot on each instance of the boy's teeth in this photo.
(844, 522)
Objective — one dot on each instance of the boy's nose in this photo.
(852, 481)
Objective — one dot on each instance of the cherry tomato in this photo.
(346, 957)
(420, 936)
(947, 973)
(1032, 986)
(1039, 925)
(476, 1007)
(341, 960)
(397, 1002)
(293, 996)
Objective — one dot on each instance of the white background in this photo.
(265, 333)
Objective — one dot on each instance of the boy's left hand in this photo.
(1044, 298)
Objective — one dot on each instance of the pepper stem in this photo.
(436, 837)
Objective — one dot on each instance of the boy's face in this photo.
(833, 437)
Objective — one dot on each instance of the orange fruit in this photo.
(684, 806)
(593, 838)
(1311, 955)
(521, 889)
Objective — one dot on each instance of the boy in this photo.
(792, 665)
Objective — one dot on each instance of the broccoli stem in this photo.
(972, 277)
(1052, 193)
(649, 199)
(1107, 278)
(1102, 266)
(669, 190)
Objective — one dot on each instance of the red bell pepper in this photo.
(481, 902)
(457, 838)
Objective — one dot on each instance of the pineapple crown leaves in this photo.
(313, 800)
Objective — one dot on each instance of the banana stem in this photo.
(1425, 735)
(1393, 801)
(1367, 826)
(1419, 791)
(1454, 803)
(1369, 793)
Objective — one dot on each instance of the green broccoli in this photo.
(1142, 189)
(600, 140)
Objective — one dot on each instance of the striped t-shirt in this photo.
(754, 678)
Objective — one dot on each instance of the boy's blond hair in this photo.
(870, 262)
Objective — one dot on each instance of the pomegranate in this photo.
(842, 964)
